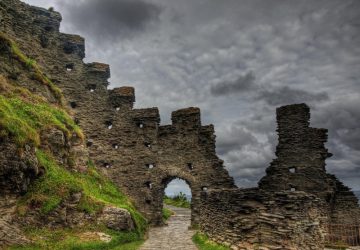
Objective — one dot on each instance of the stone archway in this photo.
(194, 193)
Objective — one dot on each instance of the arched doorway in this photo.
(178, 194)
(173, 185)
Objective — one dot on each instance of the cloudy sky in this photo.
(237, 60)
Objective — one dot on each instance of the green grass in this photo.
(177, 201)
(76, 239)
(58, 183)
(203, 243)
(166, 213)
(23, 116)
(23, 120)
(31, 64)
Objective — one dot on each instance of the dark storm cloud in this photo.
(286, 95)
(342, 119)
(110, 19)
(242, 84)
(186, 53)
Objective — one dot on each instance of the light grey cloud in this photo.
(200, 53)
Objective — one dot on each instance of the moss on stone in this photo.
(30, 63)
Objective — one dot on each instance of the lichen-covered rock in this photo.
(11, 235)
(117, 219)
(17, 169)
(10, 232)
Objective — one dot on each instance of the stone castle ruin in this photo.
(290, 209)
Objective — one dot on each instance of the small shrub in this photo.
(167, 213)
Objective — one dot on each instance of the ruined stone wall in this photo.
(127, 144)
(255, 219)
(142, 157)
(300, 165)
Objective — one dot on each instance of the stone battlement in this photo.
(141, 157)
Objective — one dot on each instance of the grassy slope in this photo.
(23, 116)
(203, 243)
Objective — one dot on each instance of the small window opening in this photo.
(73, 105)
(89, 143)
(150, 165)
(115, 146)
(204, 189)
(147, 144)
(91, 87)
(292, 189)
(148, 201)
(292, 170)
(140, 125)
(117, 108)
(69, 67)
(107, 165)
(149, 184)
(77, 121)
(190, 166)
(109, 124)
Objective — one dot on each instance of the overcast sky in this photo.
(237, 60)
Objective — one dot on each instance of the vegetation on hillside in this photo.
(30, 64)
(178, 200)
(203, 243)
(24, 116)
(80, 239)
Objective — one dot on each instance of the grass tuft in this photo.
(166, 213)
(203, 243)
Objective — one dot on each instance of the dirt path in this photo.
(174, 236)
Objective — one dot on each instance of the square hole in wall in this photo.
(140, 124)
(292, 170)
(190, 166)
(109, 124)
(149, 184)
(69, 67)
(150, 165)
(73, 105)
(91, 87)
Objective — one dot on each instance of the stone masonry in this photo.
(288, 210)
(127, 144)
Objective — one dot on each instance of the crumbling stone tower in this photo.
(300, 164)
